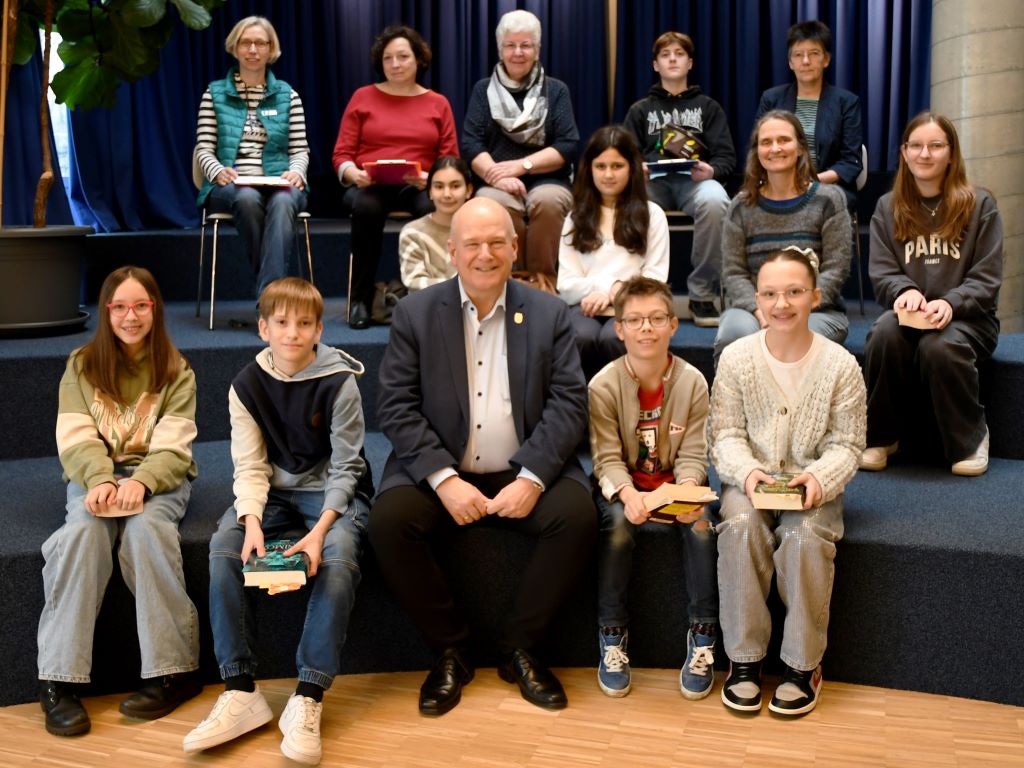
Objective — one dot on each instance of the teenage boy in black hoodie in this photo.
(698, 192)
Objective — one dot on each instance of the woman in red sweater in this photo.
(397, 119)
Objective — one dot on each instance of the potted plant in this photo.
(104, 43)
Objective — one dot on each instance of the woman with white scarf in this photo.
(520, 137)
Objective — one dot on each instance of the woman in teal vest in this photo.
(252, 125)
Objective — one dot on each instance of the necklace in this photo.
(932, 211)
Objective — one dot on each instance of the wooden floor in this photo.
(371, 720)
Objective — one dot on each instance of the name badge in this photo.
(268, 112)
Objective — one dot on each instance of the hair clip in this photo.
(808, 253)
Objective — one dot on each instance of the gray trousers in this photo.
(799, 547)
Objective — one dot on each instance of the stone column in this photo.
(977, 65)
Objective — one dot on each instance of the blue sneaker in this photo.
(613, 668)
(697, 676)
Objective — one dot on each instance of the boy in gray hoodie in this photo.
(297, 445)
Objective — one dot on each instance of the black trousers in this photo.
(900, 362)
(369, 208)
(404, 518)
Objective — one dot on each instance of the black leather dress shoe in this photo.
(442, 689)
(359, 317)
(161, 695)
(536, 682)
(65, 715)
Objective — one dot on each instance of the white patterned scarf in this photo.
(523, 125)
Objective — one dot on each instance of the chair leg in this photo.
(348, 300)
(856, 251)
(202, 245)
(309, 252)
(213, 270)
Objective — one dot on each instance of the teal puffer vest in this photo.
(231, 111)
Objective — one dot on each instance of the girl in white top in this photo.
(612, 234)
(423, 243)
(785, 400)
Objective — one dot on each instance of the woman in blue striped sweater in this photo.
(781, 204)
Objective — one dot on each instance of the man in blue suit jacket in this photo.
(830, 116)
(484, 402)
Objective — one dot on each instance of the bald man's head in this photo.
(483, 249)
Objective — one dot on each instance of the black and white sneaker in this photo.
(798, 692)
(742, 689)
(704, 314)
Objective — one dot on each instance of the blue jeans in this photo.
(706, 201)
(615, 562)
(288, 514)
(737, 323)
(78, 563)
(265, 220)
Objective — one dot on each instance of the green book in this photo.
(778, 494)
(274, 572)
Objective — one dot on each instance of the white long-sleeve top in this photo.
(580, 274)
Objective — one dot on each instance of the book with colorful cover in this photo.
(392, 171)
(274, 572)
(670, 499)
(778, 494)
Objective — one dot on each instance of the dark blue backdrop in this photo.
(133, 161)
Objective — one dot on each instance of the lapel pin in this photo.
(517, 318)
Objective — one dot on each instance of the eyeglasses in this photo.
(791, 294)
(261, 45)
(636, 322)
(814, 55)
(140, 308)
(934, 147)
(513, 47)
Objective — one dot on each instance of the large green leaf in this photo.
(75, 23)
(85, 86)
(194, 15)
(27, 38)
(143, 13)
(72, 53)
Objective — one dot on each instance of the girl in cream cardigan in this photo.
(785, 399)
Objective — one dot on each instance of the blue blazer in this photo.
(423, 400)
(838, 133)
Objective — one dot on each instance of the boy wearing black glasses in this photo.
(648, 411)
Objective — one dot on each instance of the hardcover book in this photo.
(778, 494)
(916, 319)
(671, 499)
(391, 171)
(274, 572)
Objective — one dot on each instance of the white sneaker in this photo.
(875, 459)
(235, 713)
(975, 464)
(300, 724)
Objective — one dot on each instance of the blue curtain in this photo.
(22, 160)
(133, 162)
(880, 51)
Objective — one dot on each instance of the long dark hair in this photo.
(100, 358)
(957, 194)
(755, 175)
(631, 215)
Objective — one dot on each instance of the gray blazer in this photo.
(423, 401)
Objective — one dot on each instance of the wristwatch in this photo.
(527, 165)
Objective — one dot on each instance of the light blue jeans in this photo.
(78, 563)
(706, 201)
(737, 323)
(615, 563)
(800, 548)
(265, 220)
(288, 514)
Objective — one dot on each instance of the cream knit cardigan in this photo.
(751, 426)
